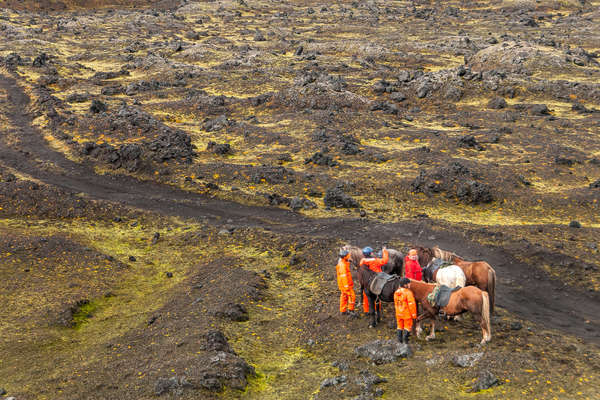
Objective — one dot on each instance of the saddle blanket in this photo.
(377, 284)
(440, 296)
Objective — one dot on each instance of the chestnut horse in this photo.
(478, 273)
(469, 298)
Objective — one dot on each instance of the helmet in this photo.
(343, 253)
(367, 251)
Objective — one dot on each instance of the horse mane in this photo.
(444, 255)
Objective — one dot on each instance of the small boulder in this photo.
(301, 203)
(97, 107)
(335, 197)
(218, 148)
(595, 185)
(574, 224)
(466, 360)
(497, 103)
(234, 312)
(383, 351)
(335, 381)
(485, 380)
(515, 326)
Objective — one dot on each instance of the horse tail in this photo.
(485, 311)
(491, 288)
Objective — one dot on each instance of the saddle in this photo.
(440, 296)
(377, 284)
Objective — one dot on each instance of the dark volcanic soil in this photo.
(553, 304)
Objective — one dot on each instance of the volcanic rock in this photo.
(335, 197)
(383, 351)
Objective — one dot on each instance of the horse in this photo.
(365, 276)
(468, 298)
(395, 263)
(478, 273)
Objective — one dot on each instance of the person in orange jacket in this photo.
(406, 310)
(345, 283)
(374, 264)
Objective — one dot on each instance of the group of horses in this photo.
(475, 280)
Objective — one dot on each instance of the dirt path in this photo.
(544, 301)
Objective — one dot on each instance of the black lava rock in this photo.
(98, 106)
(218, 148)
(335, 197)
(320, 158)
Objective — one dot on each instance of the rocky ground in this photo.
(176, 176)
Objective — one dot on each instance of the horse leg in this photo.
(372, 319)
(431, 335)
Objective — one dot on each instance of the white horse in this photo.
(451, 276)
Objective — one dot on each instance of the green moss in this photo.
(83, 314)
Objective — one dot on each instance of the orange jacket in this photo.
(404, 302)
(375, 264)
(344, 277)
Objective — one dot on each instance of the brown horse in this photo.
(478, 273)
(469, 298)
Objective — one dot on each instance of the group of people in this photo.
(404, 300)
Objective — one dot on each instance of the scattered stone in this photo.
(320, 158)
(218, 148)
(41, 60)
(485, 380)
(174, 384)
(301, 203)
(132, 259)
(2, 391)
(574, 224)
(98, 106)
(470, 141)
(497, 103)
(383, 351)
(341, 365)
(169, 274)
(516, 326)
(155, 237)
(233, 312)
(466, 360)
(338, 380)
(335, 197)
(367, 379)
(595, 185)
(539, 109)
(397, 96)
(225, 232)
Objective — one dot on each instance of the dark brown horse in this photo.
(395, 263)
(478, 273)
(365, 276)
(469, 298)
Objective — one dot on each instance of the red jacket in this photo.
(375, 264)
(413, 269)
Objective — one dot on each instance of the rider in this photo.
(406, 310)
(374, 264)
(345, 283)
(412, 267)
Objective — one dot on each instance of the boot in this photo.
(400, 334)
(406, 335)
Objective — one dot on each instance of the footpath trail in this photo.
(543, 301)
